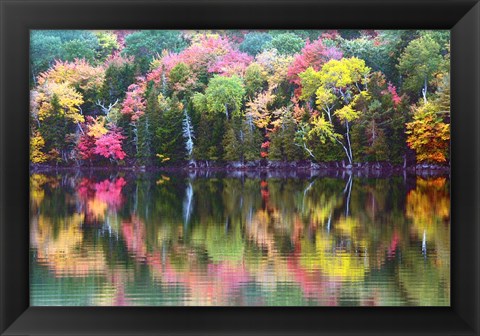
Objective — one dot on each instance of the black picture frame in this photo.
(18, 16)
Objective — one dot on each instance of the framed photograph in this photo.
(231, 167)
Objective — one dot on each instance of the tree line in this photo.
(169, 97)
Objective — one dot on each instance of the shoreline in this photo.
(262, 167)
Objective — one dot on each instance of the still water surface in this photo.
(116, 238)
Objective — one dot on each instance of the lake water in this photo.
(161, 239)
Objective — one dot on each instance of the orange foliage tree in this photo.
(428, 135)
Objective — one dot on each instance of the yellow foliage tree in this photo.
(36, 145)
(68, 99)
(337, 88)
(275, 65)
(428, 135)
(258, 109)
(79, 74)
(97, 128)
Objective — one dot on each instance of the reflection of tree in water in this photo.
(425, 276)
(63, 251)
(98, 197)
(187, 204)
(336, 258)
(211, 241)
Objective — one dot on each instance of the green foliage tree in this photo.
(147, 141)
(182, 81)
(107, 45)
(287, 43)
(79, 49)
(209, 134)
(419, 63)
(171, 143)
(282, 145)
(54, 129)
(47, 46)
(442, 37)
(255, 79)
(378, 134)
(251, 141)
(241, 141)
(442, 96)
(376, 52)
(119, 74)
(232, 147)
(225, 95)
(255, 42)
(173, 95)
(144, 45)
(44, 49)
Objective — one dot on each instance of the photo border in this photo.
(17, 17)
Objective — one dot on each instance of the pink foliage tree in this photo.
(313, 55)
(202, 55)
(134, 103)
(86, 143)
(210, 54)
(86, 147)
(233, 63)
(110, 145)
(199, 56)
(395, 97)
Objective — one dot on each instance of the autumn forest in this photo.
(234, 97)
(240, 168)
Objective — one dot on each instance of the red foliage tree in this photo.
(110, 145)
(86, 147)
(92, 129)
(395, 97)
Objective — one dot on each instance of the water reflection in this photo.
(165, 239)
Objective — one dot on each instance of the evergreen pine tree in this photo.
(232, 143)
(252, 140)
(169, 132)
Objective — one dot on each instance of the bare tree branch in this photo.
(105, 109)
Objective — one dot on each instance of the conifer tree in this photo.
(169, 132)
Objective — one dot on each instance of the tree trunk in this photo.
(308, 150)
(345, 149)
(348, 190)
(328, 110)
(34, 79)
(424, 91)
(164, 84)
(350, 157)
